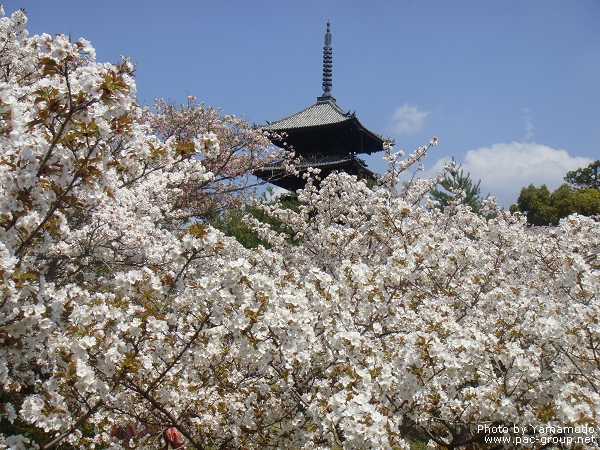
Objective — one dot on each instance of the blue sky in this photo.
(511, 88)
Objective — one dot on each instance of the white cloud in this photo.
(408, 119)
(505, 168)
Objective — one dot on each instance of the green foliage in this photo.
(456, 180)
(545, 208)
(587, 202)
(231, 222)
(580, 194)
(586, 177)
(535, 203)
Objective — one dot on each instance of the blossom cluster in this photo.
(229, 148)
(371, 319)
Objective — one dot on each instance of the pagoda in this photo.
(322, 136)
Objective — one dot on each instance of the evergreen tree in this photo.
(536, 204)
(586, 177)
(545, 208)
(231, 222)
(455, 180)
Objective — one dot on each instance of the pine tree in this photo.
(454, 181)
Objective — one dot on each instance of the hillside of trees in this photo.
(580, 194)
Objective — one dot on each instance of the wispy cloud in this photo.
(528, 124)
(408, 119)
(505, 168)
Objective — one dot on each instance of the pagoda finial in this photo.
(327, 64)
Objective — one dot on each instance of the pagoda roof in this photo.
(326, 118)
(324, 127)
(325, 112)
(321, 136)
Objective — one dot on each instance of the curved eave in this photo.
(344, 137)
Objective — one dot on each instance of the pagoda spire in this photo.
(327, 67)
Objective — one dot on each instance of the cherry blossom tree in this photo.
(372, 317)
(86, 190)
(234, 151)
(445, 324)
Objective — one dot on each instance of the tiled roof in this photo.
(320, 113)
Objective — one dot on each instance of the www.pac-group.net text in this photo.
(544, 435)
